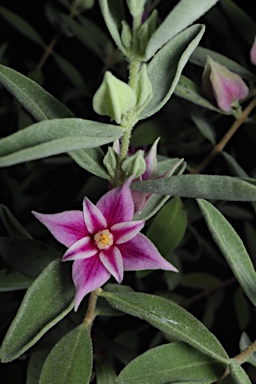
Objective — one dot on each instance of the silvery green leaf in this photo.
(90, 159)
(238, 374)
(180, 17)
(165, 68)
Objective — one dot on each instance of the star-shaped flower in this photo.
(103, 241)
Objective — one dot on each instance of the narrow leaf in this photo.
(41, 104)
(238, 374)
(69, 71)
(181, 16)
(52, 137)
(171, 363)
(205, 186)
(232, 248)
(165, 68)
(104, 372)
(21, 25)
(11, 224)
(70, 361)
(13, 281)
(91, 159)
(169, 318)
(47, 301)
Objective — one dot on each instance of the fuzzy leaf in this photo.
(165, 68)
(47, 301)
(70, 361)
(41, 104)
(90, 159)
(181, 16)
(52, 137)
(232, 248)
(205, 186)
(13, 281)
(238, 374)
(171, 363)
(169, 318)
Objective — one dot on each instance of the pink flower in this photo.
(103, 241)
(227, 87)
(253, 52)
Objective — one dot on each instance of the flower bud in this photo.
(227, 87)
(253, 52)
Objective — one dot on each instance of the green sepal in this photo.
(114, 98)
(110, 161)
(136, 7)
(126, 35)
(135, 164)
(146, 31)
(144, 88)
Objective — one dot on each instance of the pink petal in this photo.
(140, 199)
(88, 275)
(140, 254)
(151, 162)
(93, 218)
(112, 260)
(124, 232)
(82, 249)
(253, 52)
(117, 205)
(67, 227)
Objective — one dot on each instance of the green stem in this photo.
(90, 315)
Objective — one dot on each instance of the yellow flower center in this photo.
(103, 239)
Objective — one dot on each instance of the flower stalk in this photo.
(90, 315)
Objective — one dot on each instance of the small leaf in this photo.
(203, 124)
(52, 137)
(113, 13)
(48, 300)
(238, 374)
(171, 363)
(232, 248)
(11, 224)
(70, 361)
(236, 169)
(242, 309)
(165, 68)
(13, 281)
(168, 227)
(35, 365)
(21, 25)
(242, 21)
(244, 343)
(41, 104)
(170, 318)
(204, 186)
(188, 90)
(104, 372)
(28, 256)
(91, 159)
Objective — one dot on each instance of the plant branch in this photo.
(90, 315)
(223, 142)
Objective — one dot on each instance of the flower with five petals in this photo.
(103, 241)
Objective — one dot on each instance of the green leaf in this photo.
(244, 343)
(203, 124)
(91, 159)
(205, 186)
(22, 26)
(91, 36)
(165, 68)
(168, 227)
(113, 13)
(13, 281)
(188, 90)
(200, 280)
(171, 363)
(104, 372)
(242, 309)
(199, 57)
(234, 166)
(170, 318)
(70, 361)
(48, 300)
(69, 71)
(35, 365)
(41, 104)
(238, 374)
(11, 224)
(181, 16)
(52, 137)
(232, 248)
(28, 256)
(242, 21)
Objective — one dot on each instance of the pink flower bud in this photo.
(225, 86)
(253, 52)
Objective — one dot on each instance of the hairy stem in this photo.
(90, 315)
(223, 142)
